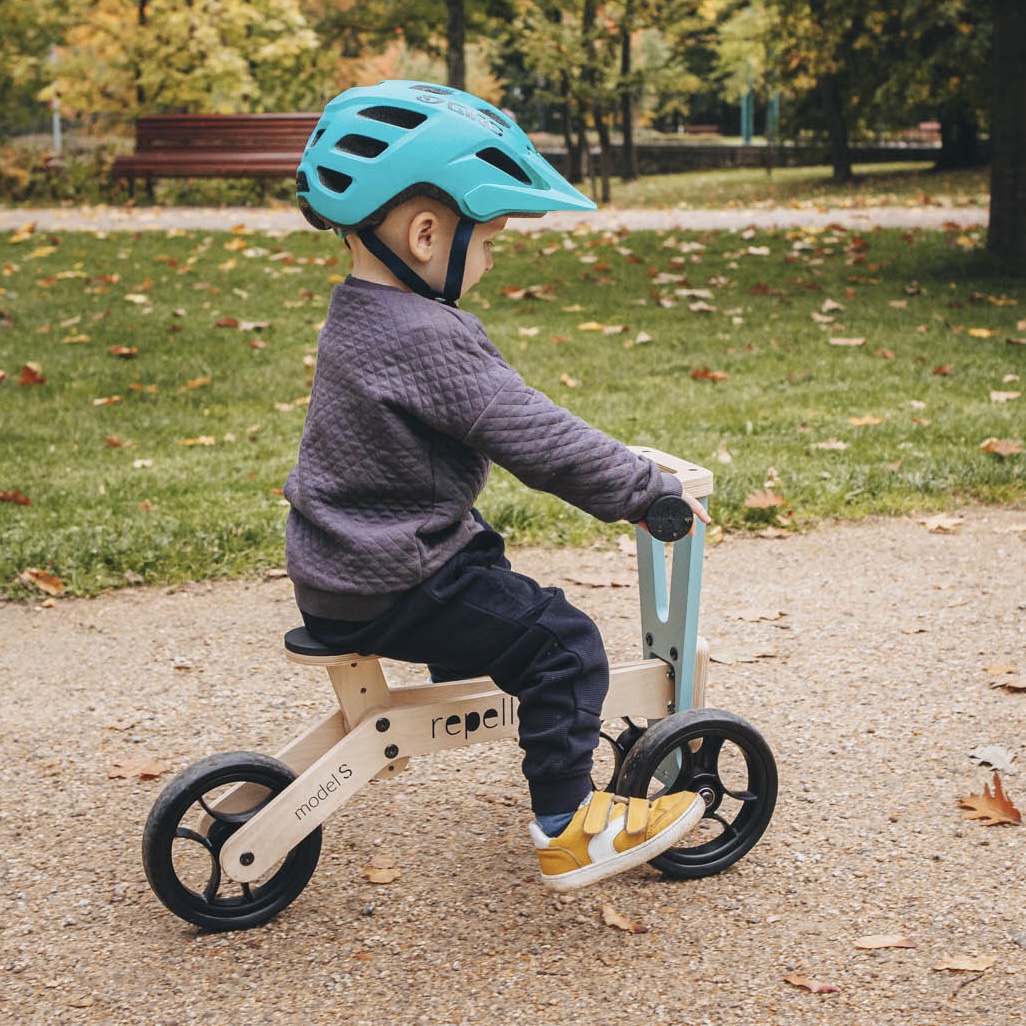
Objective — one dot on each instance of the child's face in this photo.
(479, 253)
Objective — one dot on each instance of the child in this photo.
(410, 405)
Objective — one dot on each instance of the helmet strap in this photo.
(409, 277)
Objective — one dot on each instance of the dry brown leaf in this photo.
(942, 524)
(884, 940)
(569, 382)
(48, 583)
(966, 964)
(1004, 397)
(1002, 446)
(991, 809)
(763, 499)
(1016, 684)
(613, 918)
(811, 985)
(31, 374)
(847, 341)
(705, 374)
(866, 420)
(996, 669)
(141, 767)
(832, 443)
(382, 870)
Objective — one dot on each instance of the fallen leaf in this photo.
(569, 382)
(16, 497)
(1016, 684)
(866, 420)
(705, 374)
(1002, 446)
(847, 341)
(141, 767)
(202, 440)
(1004, 397)
(992, 809)
(763, 499)
(996, 669)
(966, 964)
(196, 383)
(31, 374)
(832, 443)
(811, 985)
(942, 524)
(382, 870)
(995, 757)
(40, 579)
(982, 332)
(613, 918)
(884, 940)
(107, 400)
(125, 352)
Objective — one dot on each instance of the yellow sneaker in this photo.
(609, 834)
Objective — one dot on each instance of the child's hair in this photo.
(376, 146)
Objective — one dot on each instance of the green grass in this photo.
(874, 185)
(180, 477)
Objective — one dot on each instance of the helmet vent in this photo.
(360, 145)
(336, 181)
(316, 137)
(498, 159)
(496, 117)
(398, 116)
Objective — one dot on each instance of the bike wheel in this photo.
(724, 759)
(189, 825)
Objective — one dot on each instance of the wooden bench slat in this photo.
(217, 145)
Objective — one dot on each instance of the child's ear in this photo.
(423, 235)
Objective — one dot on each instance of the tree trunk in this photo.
(605, 152)
(960, 138)
(837, 130)
(456, 36)
(629, 161)
(1007, 235)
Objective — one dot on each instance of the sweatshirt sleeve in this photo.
(552, 450)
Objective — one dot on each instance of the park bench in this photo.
(215, 146)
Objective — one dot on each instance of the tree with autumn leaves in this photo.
(841, 66)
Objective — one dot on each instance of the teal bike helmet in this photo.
(376, 146)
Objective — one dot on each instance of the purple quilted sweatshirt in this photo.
(411, 404)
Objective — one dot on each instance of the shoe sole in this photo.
(642, 853)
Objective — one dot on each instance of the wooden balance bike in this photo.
(235, 838)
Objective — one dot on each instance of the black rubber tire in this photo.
(724, 759)
(218, 904)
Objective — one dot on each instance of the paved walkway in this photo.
(286, 219)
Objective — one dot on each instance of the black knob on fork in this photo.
(669, 518)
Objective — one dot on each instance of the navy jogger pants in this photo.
(476, 617)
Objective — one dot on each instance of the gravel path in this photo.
(874, 694)
(285, 219)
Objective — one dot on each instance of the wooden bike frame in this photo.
(377, 728)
